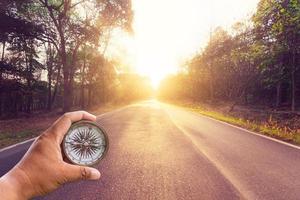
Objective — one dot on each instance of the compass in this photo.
(85, 143)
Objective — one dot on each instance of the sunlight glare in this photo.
(166, 32)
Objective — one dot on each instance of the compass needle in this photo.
(85, 143)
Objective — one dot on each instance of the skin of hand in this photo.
(42, 169)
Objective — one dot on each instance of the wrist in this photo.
(16, 185)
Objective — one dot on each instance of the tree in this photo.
(18, 36)
(277, 26)
(74, 34)
(256, 62)
(71, 30)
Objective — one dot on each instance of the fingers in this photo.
(79, 115)
(61, 126)
(75, 172)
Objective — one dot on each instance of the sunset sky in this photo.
(169, 31)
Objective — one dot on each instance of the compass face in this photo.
(85, 143)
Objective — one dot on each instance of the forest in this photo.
(256, 62)
(53, 55)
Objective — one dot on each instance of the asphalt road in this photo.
(158, 151)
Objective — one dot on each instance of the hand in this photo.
(43, 169)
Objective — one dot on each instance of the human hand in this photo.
(42, 169)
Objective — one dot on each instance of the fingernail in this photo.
(95, 174)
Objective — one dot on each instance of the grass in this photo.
(270, 127)
(18, 130)
(9, 138)
(13, 131)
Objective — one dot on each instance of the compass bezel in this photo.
(80, 124)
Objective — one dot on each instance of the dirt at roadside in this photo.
(17, 130)
(284, 119)
(262, 115)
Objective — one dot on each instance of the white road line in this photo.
(111, 112)
(246, 194)
(234, 126)
(15, 145)
(120, 109)
(30, 140)
(257, 134)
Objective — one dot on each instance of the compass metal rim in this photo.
(98, 127)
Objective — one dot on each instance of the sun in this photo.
(168, 32)
(155, 66)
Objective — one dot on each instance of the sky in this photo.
(166, 32)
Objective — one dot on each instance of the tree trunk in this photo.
(246, 97)
(28, 79)
(278, 94)
(50, 70)
(3, 51)
(15, 108)
(67, 99)
(82, 81)
(211, 89)
(89, 95)
(82, 102)
(54, 92)
(293, 83)
(69, 71)
(49, 105)
(66, 71)
(56, 85)
(1, 93)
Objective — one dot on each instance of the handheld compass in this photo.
(85, 143)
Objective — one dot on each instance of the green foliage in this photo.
(270, 128)
(256, 62)
(64, 41)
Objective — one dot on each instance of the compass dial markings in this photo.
(85, 144)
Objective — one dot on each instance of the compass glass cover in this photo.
(85, 143)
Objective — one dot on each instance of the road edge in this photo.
(237, 127)
(32, 139)
(251, 132)
(17, 144)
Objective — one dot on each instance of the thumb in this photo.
(75, 172)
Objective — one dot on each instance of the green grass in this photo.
(269, 128)
(9, 138)
(21, 129)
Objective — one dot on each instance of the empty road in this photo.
(159, 151)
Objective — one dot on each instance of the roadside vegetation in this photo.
(16, 130)
(280, 125)
(53, 59)
(54, 56)
(252, 70)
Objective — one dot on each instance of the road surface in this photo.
(158, 151)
